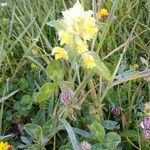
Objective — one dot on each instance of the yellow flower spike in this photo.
(81, 46)
(78, 22)
(65, 37)
(4, 146)
(102, 13)
(90, 32)
(88, 61)
(60, 53)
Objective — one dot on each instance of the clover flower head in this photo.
(88, 61)
(85, 146)
(146, 123)
(4, 146)
(116, 111)
(60, 53)
(66, 96)
(146, 134)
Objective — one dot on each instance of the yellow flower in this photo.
(90, 32)
(102, 13)
(4, 146)
(88, 61)
(60, 53)
(86, 27)
(65, 37)
(81, 45)
(73, 14)
(79, 22)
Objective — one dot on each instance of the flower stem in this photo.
(81, 86)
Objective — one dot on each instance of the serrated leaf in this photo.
(45, 91)
(54, 71)
(112, 140)
(98, 132)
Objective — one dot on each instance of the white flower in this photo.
(3, 4)
(75, 13)
(142, 125)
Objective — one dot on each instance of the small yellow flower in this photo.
(65, 37)
(81, 46)
(88, 61)
(60, 53)
(91, 31)
(4, 146)
(102, 13)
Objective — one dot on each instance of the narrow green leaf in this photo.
(8, 96)
(6, 136)
(83, 133)
(71, 134)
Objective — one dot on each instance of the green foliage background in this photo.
(26, 42)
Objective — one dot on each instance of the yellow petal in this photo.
(81, 46)
(88, 61)
(65, 37)
(4, 146)
(60, 53)
(102, 13)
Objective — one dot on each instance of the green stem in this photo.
(1, 117)
(81, 86)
